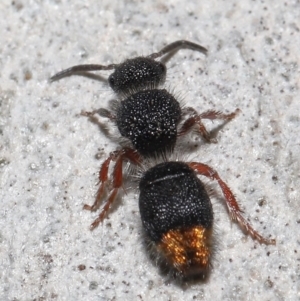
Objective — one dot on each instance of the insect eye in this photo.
(111, 81)
(163, 68)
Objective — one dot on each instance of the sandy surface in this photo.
(50, 155)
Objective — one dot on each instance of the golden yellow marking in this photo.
(187, 249)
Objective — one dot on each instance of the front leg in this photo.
(195, 120)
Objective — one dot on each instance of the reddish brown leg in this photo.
(103, 177)
(102, 112)
(195, 119)
(212, 115)
(119, 157)
(231, 202)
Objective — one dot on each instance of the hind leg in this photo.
(117, 180)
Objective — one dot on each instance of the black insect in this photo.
(175, 208)
(149, 117)
(177, 215)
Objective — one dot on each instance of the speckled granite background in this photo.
(50, 155)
